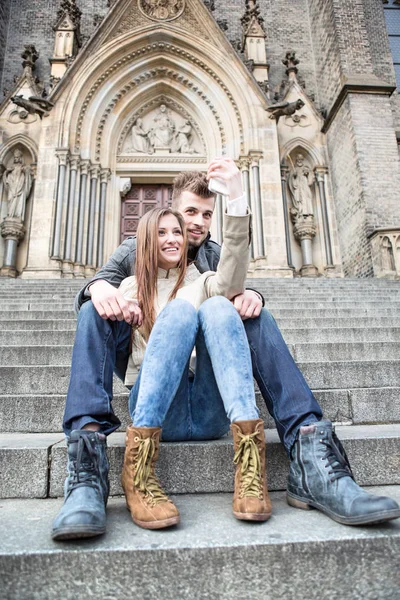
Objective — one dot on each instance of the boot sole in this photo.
(156, 524)
(72, 533)
(252, 516)
(372, 519)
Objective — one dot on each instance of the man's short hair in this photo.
(190, 181)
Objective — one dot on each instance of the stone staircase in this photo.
(345, 336)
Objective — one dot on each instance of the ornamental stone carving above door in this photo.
(162, 131)
(162, 10)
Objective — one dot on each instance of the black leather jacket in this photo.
(121, 264)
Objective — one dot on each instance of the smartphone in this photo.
(218, 186)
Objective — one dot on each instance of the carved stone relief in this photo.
(162, 131)
(385, 251)
(162, 10)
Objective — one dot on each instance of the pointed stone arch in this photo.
(302, 145)
(19, 140)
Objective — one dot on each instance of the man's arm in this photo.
(119, 266)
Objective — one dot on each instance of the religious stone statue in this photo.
(140, 138)
(18, 183)
(183, 139)
(162, 135)
(300, 182)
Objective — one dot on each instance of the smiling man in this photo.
(320, 475)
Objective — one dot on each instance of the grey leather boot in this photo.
(86, 488)
(320, 477)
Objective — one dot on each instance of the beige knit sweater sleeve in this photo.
(232, 268)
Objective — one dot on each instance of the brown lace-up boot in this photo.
(150, 507)
(250, 501)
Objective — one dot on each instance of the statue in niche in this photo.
(300, 182)
(140, 138)
(163, 133)
(18, 183)
(387, 255)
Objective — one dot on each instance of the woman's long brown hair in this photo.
(146, 266)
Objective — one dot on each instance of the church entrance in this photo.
(139, 200)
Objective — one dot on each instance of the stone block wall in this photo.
(365, 176)
(31, 23)
(4, 20)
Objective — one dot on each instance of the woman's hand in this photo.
(225, 168)
(110, 304)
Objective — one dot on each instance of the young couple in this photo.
(169, 315)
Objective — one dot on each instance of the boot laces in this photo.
(336, 458)
(248, 455)
(144, 478)
(85, 468)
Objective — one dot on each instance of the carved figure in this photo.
(387, 255)
(18, 183)
(164, 131)
(284, 109)
(140, 138)
(184, 138)
(35, 105)
(162, 10)
(300, 181)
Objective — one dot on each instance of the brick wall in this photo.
(364, 168)
(31, 22)
(4, 16)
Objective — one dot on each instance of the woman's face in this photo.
(170, 242)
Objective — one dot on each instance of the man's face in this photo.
(197, 213)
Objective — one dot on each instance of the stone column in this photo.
(284, 174)
(245, 168)
(84, 170)
(94, 176)
(105, 175)
(220, 217)
(13, 231)
(304, 231)
(258, 217)
(62, 155)
(67, 267)
(320, 173)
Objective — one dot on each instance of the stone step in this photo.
(296, 554)
(345, 334)
(60, 355)
(55, 321)
(34, 465)
(65, 337)
(319, 375)
(44, 414)
(37, 324)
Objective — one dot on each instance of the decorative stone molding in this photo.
(385, 251)
(162, 48)
(168, 10)
(304, 231)
(105, 175)
(62, 155)
(12, 228)
(162, 159)
(74, 162)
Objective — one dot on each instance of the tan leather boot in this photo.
(150, 507)
(250, 501)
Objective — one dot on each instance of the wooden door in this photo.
(139, 200)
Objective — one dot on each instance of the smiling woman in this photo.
(190, 366)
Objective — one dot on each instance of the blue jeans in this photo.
(222, 389)
(102, 347)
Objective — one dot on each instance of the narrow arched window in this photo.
(392, 14)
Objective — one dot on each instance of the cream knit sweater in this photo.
(227, 281)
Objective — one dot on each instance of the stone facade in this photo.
(126, 63)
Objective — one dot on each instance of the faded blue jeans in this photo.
(102, 348)
(222, 389)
